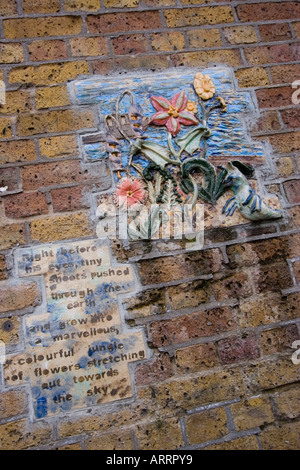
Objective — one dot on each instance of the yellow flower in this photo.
(192, 107)
(204, 86)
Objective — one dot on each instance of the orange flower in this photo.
(130, 192)
(204, 86)
(192, 107)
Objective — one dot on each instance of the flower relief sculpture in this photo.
(179, 172)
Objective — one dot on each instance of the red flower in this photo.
(130, 192)
(172, 113)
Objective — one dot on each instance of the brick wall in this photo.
(220, 322)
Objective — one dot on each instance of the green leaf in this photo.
(156, 153)
(191, 141)
(213, 188)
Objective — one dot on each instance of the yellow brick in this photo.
(206, 426)
(204, 38)
(266, 309)
(288, 403)
(11, 53)
(121, 3)
(252, 76)
(5, 128)
(285, 167)
(17, 151)
(60, 146)
(8, 7)
(54, 121)
(80, 5)
(12, 403)
(18, 435)
(240, 34)
(283, 437)
(242, 443)
(12, 334)
(51, 97)
(12, 235)
(114, 441)
(166, 3)
(164, 434)
(48, 74)
(269, 374)
(19, 297)
(40, 27)
(206, 58)
(16, 102)
(194, 2)
(196, 391)
(173, 41)
(88, 46)
(125, 416)
(61, 228)
(177, 18)
(75, 446)
(252, 413)
(195, 358)
(296, 27)
(38, 6)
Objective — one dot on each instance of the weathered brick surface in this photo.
(160, 435)
(219, 322)
(282, 437)
(61, 228)
(206, 426)
(17, 151)
(196, 358)
(60, 146)
(3, 268)
(21, 434)
(268, 11)
(48, 74)
(236, 348)
(121, 441)
(119, 22)
(25, 205)
(12, 235)
(251, 413)
(196, 325)
(11, 53)
(18, 297)
(198, 16)
(252, 76)
(54, 49)
(35, 6)
(180, 267)
(12, 403)
(54, 121)
(68, 199)
(39, 27)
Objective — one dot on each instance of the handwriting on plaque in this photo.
(77, 352)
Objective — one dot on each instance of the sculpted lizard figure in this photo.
(245, 198)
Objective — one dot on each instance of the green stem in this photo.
(195, 195)
(176, 154)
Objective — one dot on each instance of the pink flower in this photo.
(130, 192)
(172, 113)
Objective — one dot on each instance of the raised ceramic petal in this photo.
(173, 125)
(160, 103)
(179, 101)
(159, 118)
(187, 118)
